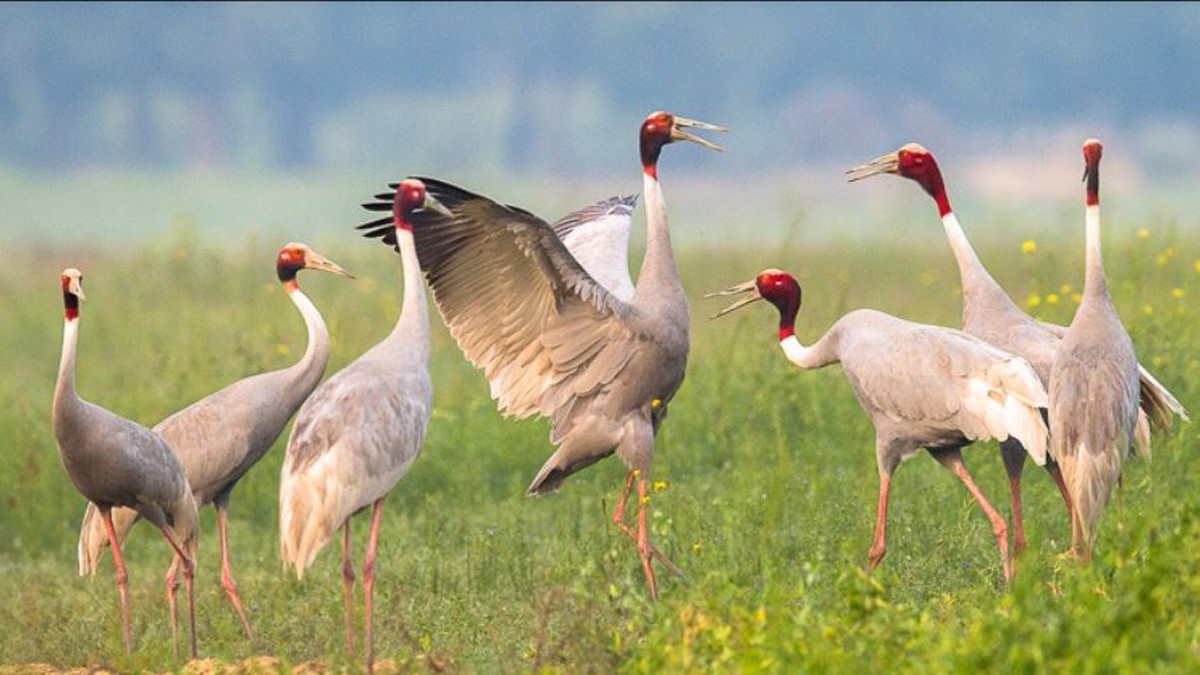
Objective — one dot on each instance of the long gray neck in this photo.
(981, 293)
(307, 372)
(412, 328)
(1093, 283)
(659, 277)
(65, 398)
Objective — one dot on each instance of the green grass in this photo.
(769, 503)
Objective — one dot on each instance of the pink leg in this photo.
(189, 573)
(879, 543)
(369, 577)
(227, 581)
(172, 608)
(618, 518)
(122, 576)
(643, 538)
(952, 459)
(348, 586)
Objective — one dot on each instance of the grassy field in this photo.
(768, 477)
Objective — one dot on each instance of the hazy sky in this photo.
(550, 88)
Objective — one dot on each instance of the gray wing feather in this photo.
(519, 305)
(613, 206)
(946, 379)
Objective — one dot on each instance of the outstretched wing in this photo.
(598, 237)
(545, 333)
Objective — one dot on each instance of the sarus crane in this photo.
(922, 386)
(554, 341)
(116, 463)
(220, 437)
(1094, 385)
(989, 314)
(360, 432)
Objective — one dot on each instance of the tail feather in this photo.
(1090, 476)
(93, 536)
(1158, 403)
(1008, 401)
(1141, 435)
(306, 520)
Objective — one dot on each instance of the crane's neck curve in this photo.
(982, 295)
(818, 355)
(64, 389)
(309, 369)
(659, 276)
(412, 327)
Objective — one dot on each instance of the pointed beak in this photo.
(750, 288)
(316, 261)
(889, 163)
(434, 205)
(76, 289)
(680, 132)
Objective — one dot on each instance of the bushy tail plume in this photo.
(1090, 476)
(308, 518)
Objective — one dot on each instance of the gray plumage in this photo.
(359, 432)
(922, 386)
(220, 437)
(1094, 386)
(115, 462)
(569, 341)
(550, 339)
(990, 314)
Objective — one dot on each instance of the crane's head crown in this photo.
(912, 161)
(660, 128)
(72, 288)
(1092, 151)
(776, 287)
(295, 257)
(410, 196)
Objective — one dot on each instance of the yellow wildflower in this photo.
(1052, 298)
(696, 547)
(282, 350)
(1143, 233)
(1196, 266)
(1161, 260)
(660, 485)
(1034, 300)
(1066, 289)
(1148, 309)
(1077, 297)
(1177, 293)
(1029, 246)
